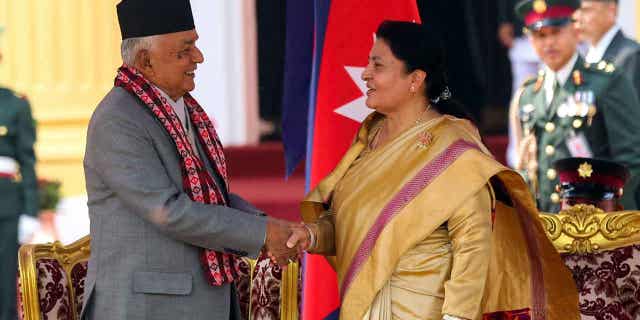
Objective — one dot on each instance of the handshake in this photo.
(286, 240)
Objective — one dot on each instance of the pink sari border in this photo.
(424, 177)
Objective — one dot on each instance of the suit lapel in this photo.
(613, 53)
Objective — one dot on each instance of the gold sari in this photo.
(417, 231)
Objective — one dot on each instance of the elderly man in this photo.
(572, 108)
(597, 25)
(166, 232)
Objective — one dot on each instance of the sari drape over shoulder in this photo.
(417, 231)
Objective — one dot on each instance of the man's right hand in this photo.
(278, 232)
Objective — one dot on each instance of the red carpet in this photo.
(257, 174)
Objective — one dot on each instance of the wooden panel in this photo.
(63, 55)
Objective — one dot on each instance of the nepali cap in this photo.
(537, 14)
(141, 18)
(593, 179)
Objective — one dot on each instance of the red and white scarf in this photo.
(197, 182)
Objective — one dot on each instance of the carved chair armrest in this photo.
(585, 229)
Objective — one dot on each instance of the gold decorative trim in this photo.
(585, 229)
(67, 256)
(289, 292)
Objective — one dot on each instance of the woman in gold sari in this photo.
(419, 221)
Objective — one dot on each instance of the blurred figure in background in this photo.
(572, 108)
(597, 25)
(524, 61)
(18, 188)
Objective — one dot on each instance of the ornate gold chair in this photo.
(602, 250)
(273, 293)
(51, 284)
(51, 280)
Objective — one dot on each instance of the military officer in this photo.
(597, 25)
(572, 108)
(18, 189)
(591, 181)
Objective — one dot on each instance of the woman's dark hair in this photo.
(420, 49)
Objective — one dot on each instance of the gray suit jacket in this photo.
(624, 53)
(146, 234)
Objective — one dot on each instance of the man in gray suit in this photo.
(597, 26)
(166, 232)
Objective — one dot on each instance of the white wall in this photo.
(627, 17)
(226, 84)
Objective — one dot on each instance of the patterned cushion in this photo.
(243, 285)
(265, 291)
(262, 296)
(78, 275)
(608, 283)
(19, 305)
(53, 290)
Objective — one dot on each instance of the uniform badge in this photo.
(562, 110)
(577, 78)
(578, 146)
(539, 6)
(3, 131)
(585, 170)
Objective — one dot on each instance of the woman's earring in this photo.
(413, 89)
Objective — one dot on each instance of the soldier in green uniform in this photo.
(18, 189)
(572, 108)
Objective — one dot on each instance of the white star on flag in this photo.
(356, 109)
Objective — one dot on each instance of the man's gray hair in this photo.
(130, 47)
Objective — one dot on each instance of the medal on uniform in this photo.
(577, 78)
(562, 110)
(3, 131)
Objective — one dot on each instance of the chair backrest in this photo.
(51, 279)
(273, 293)
(51, 283)
(602, 250)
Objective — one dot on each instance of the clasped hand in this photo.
(286, 240)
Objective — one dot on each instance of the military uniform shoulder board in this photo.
(529, 81)
(532, 81)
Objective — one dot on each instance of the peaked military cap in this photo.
(537, 14)
(141, 18)
(593, 179)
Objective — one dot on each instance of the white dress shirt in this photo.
(596, 53)
(561, 75)
(181, 111)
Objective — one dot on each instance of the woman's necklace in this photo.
(381, 133)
